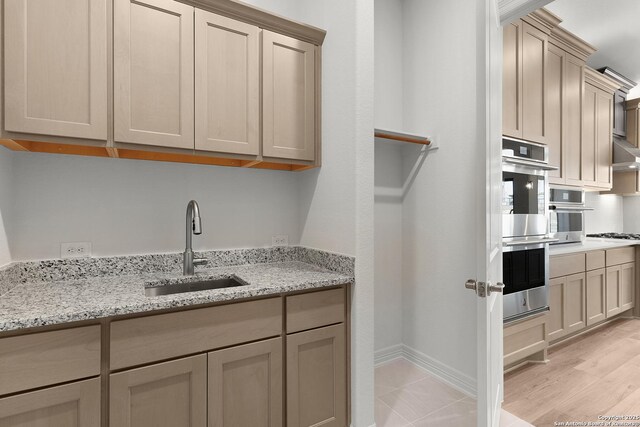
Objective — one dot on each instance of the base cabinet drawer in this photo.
(71, 405)
(162, 395)
(317, 378)
(524, 338)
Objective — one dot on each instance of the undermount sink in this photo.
(202, 285)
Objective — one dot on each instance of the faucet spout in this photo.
(194, 226)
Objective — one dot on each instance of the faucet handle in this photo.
(200, 261)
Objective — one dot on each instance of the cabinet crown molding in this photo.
(545, 18)
(572, 43)
(633, 104)
(600, 80)
(264, 19)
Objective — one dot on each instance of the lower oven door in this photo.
(525, 276)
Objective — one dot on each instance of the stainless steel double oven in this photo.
(525, 227)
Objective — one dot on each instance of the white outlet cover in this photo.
(280, 240)
(75, 250)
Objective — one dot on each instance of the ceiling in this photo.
(609, 25)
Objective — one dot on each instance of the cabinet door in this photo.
(604, 138)
(534, 70)
(56, 67)
(619, 114)
(589, 135)
(554, 91)
(227, 85)
(245, 385)
(71, 405)
(511, 82)
(153, 73)
(288, 79)
(613, 290)
(572, 120)
(596, 296)
(316, 378)
(574, 316)
(163, 395)
(555, 323)
(627, 286)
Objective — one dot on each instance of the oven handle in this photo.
(531, 164)
(569, 208)
(530, 242)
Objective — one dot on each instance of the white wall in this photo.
(607, 215)
(6, 186)
(132, 207)
(439, 233)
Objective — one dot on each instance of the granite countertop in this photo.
(44, 302)
(590, 244)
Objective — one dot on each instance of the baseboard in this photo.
(387, 354)
(443, 372)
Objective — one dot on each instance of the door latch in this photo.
(483, 289)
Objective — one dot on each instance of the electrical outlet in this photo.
(75, 250)
(281, 240)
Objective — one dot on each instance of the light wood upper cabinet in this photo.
(289, 97)
(572, 120)
(511, 80)
(153, 73)
(597, 137)
(555, 106)
(534, 71)
(316, 378)
(163, 395)
(70, 405)
(245, 385)
(55, 67)
(227, 92)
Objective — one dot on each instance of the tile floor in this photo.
(406, 396)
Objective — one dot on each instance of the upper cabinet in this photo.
(511, 81)
(289, 97)
(187, 81)
(227, 85)
(153, 73)
(55, 68)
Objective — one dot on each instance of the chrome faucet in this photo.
(194, 225)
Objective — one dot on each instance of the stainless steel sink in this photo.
(203, 285)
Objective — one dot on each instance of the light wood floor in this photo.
(597, 374)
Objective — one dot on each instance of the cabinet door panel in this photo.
(572, 120)
(288, 97)
(574, 300)
(227, 85)
(153, 73)
(589, 131)
(163, 395)
(56, 67)
(555, 324)
(511, 83)
(627, 286)
(613, 291)
(316, 378)
(534, 70)
(604, 138)
(245, 385)
(596, 296)
(553, 89)
(70, 405)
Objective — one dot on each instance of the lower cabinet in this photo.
(316, 378)
(596, 296)
(166, 394)
(245, 385)
(71, 405)
(567, 297)
(620, 294)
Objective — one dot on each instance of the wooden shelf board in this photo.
(402, 137)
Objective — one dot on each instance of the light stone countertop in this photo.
(590, 244)
(46, 302)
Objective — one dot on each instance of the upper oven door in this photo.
(524, 202)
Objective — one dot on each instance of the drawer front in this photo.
(313, 310)
(621, 255)
(595, 260)
(165, 336)
(524, 339)
(566, 265)
(46, 358)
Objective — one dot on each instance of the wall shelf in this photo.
(401, 137)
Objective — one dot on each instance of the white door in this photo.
(489, 237)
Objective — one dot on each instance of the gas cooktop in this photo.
(624, 236)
